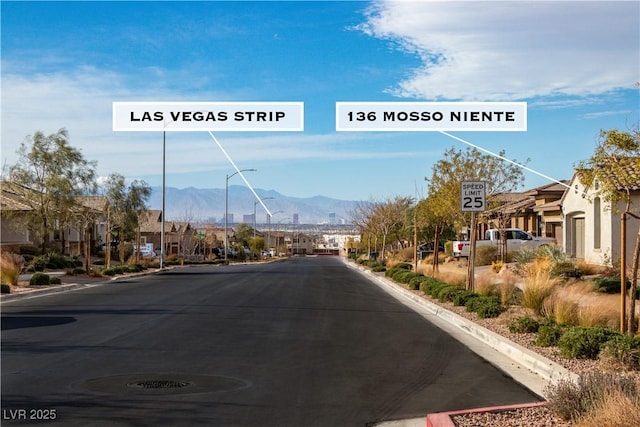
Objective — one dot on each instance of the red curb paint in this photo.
(443, 419)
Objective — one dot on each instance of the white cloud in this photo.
(509, 50)
(80, 100)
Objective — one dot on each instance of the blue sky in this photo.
(576, 64)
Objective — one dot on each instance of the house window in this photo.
(596, 223)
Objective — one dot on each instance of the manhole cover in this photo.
(158, 384)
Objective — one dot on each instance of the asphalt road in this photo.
(301, 342)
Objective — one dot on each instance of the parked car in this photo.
(428, 247)
(145, 250)
(516, 239)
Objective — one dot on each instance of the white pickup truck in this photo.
(516, 239)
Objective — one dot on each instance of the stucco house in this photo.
(300, 244)
(591, 226)
(536, 211)
(13, 234)
(179, 236)
(85, 227)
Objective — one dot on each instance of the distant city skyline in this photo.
(208, 205)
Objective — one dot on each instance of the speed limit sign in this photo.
(473, 196)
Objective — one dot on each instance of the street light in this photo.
(254, 214)
(226, 210)
(277, 230)
(269, 227)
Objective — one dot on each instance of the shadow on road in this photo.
(19, 322)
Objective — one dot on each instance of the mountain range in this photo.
(208, 205)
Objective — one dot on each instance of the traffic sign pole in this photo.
(473, 195)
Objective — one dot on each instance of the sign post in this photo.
(473, 195)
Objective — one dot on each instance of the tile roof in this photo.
(630, 167)
(151, 221)
(14, 197)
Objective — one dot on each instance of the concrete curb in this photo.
(45, 291)
(54, 289)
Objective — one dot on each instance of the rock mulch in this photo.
(539, 416)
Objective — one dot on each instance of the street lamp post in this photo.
(226, 210)
(283, 233)
(269, 227)
(254, 215)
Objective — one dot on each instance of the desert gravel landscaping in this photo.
(540, 416)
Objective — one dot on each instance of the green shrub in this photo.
(549, 334)
(56, 261)
(448, 293)
(109, 271)
(404, 276)
(485, 306)
(432, 286)
(5, 288)
(39, 263)
(134, 268)
(523, 325)
(472, 303)
(98, 262)
(524, 256)
(424, 284)
(371, 263)
(554, 253)
(460, 299)
(491, 307)
(379, 268)
(55, 280)
(582, 342)
(390, 272)
(416, 282)
(75, 271)
(566, 269)
(40, 279)
(404, 266)
(623, 349)
(609, 285)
